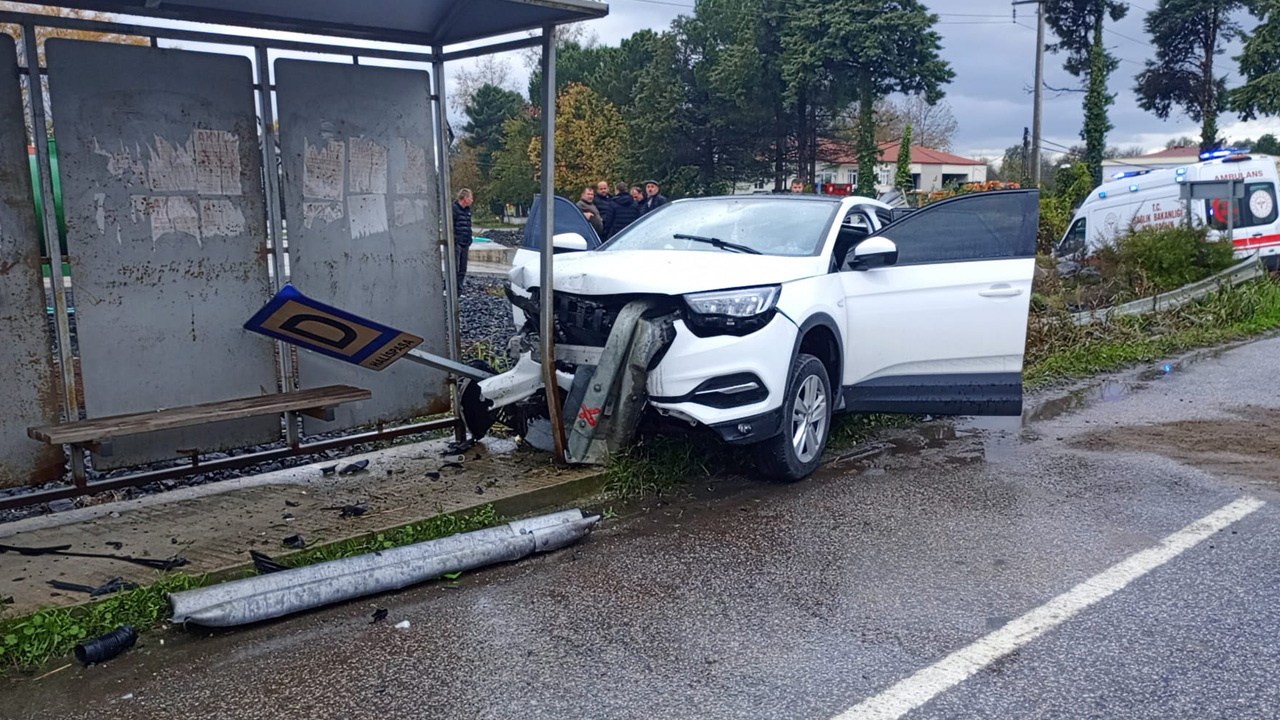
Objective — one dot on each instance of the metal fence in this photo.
(178, 189)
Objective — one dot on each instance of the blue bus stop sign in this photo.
(297, 319)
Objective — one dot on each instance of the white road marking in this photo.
(955, 668)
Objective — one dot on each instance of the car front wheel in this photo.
(796, 452)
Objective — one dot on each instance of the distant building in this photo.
(931, 170)
(1172, 157)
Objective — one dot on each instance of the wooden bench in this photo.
(96, 434)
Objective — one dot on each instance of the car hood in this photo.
(671, 272)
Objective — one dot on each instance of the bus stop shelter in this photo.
(260, 158)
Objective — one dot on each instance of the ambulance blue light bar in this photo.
(1222, 152)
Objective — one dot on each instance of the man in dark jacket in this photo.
(625, 211)
(589, 210)
(604, 201)
(462, 232)
(653, 199)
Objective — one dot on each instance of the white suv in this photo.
(792, 307)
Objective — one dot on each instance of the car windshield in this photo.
(771, 226)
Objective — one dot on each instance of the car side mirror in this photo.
(872, 253)
(568, 242)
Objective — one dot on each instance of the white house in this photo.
(931, 169)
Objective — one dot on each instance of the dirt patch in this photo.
(1248, 446)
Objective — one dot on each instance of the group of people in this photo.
(610, 213)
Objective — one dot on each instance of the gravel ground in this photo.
(509, 238)
(485, 318)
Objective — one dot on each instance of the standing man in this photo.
(625, 210)
(586, 203)
(604, 201)
(653, 199)
(462, 232)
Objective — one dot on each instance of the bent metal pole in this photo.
(289, 591)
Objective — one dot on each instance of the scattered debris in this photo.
(295, 541)
(433, 475)
(6, 599)
(287, 516)
(355, 467)
(379, 615)
(51, 672)
(127, 696)
(292, 503)
(63, 550)
(105, 647)
(451, 465)
(111, 586)
(265, 563)
(479, 490)
(349, 511)
(453, 459)
(329, 469)
(457, 448)
(402, 625)
(114, 544)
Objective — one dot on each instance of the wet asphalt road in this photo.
(766, 601)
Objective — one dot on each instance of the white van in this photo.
(1151, 198)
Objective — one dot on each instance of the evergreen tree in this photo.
(1078, 25)
(1189, 35)
(903, 180)
(487, 112)
(1260, 65)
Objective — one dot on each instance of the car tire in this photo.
(796, 452)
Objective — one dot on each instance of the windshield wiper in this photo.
(724, 244)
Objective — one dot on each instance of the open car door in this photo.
(940, 326)
(572, 232)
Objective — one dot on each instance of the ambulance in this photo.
(1139, 198)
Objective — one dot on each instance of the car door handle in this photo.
(1001, 291)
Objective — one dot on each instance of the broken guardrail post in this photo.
(303, 588)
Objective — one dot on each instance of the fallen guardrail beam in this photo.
(1241, 272)
(289, 591)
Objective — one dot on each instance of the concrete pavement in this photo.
(751, 600)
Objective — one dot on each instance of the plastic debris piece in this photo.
(114, 544)
(265, 563)
(353, 510)
(328, 469)
(295, 541)
(355, 467)
(32, 551)
(479, 490)
(111, 586)
(292, 503)
(379, 615)
(105, 647)
(457, 448)
(433, 475)
(402, 625)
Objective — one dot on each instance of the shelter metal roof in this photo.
(419, 22)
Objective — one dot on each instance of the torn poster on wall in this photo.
(368, 166)
(217, 154)
(367, 214)
(322, 170)
(413, 179)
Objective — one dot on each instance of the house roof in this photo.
(1173, 154)
(843, 154)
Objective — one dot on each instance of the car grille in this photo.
(586, 321)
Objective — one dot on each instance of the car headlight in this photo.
(731, 312)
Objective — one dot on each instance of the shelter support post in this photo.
(275, 225)
(40, 138)
(547, 316)
(451, 288)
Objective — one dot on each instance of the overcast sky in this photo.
(993, 59)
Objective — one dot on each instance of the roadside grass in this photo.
(1058, 350)
(33, 639)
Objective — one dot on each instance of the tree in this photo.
(933, 126)
(589, 135)
(1179, 142)
(465, 172)
(903, 179)
(1188, 35)
(1078, 25)
(1266, 145)
(511, 177)
(487, 112)
(1260, 66)
(864, 49)
(488, 70)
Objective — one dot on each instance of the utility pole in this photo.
(1039, 91)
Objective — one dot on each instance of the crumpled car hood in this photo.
(671, 272)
